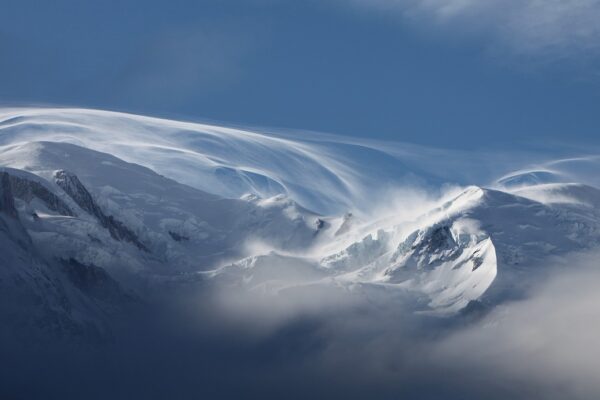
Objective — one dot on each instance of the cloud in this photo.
(336, 344)
(546, 344)
(543, 346)
(541, 28)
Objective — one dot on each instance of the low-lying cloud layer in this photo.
(542, 347)
(334, 343)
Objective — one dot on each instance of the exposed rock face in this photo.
(35, 297)
(10, 224)
(32, 297)
(7, 201)
(77, 191)
(429, 247)
(26, 190)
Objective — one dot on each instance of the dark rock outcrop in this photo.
(428, 247)
(7, 201)
(26, 190)
(77, 191)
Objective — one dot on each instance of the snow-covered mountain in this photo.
(482, 246)
(323, 173)
(100, 212)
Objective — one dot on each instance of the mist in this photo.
(319, 340)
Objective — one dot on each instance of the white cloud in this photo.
(546, 342)
(548, 28)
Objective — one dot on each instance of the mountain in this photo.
(482, 245)
(71, 213)
(325, 174)
(103, 214)
(56, 297)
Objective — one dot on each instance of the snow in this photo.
(183, 203)
(324, 176)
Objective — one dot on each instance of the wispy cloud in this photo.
(554, 29)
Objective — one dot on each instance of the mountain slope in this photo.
(52, 298)
(88, 223)
(168, 221)
(86, 234)
(327, 177)
(483, 245)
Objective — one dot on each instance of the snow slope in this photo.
(325, 176)
(99, 209)
(150, 219)
(84, 230)
(481, 245)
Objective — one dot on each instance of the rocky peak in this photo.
(71, 184)
(27, 189)
(427, 247)
(7, 201)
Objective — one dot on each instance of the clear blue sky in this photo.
(448, 72)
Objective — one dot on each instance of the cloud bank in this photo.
(337, 346)
(540, 347)
(544, 346)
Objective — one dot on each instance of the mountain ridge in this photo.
(107, 232)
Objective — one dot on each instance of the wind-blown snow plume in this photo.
(325, 173)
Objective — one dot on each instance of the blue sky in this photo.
(459, 73)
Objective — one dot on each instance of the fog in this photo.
(541, 347)
(323, 341)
